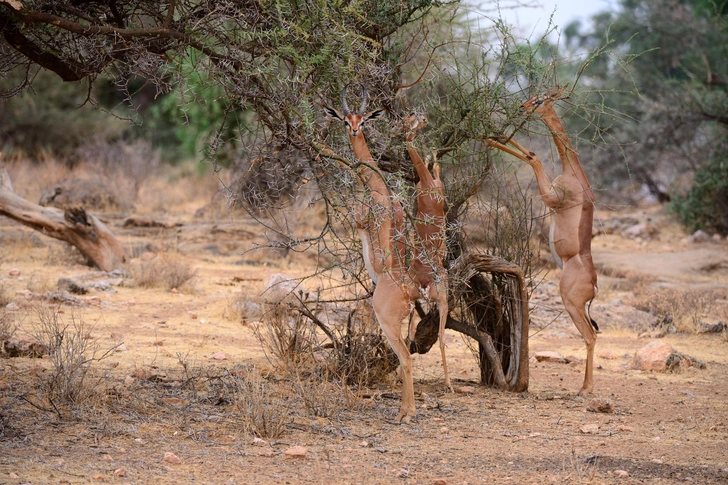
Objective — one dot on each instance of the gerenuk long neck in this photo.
(417, 161)
(390, 230)
(569, 158)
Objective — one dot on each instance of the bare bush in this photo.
(4, 296)
(71, 351)
(686, 308)
(321, 397)
(7, 327)
(128, 164)
(265, 411)
(287, 336)
(166, 270)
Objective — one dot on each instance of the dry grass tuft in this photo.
(71, 351)
(7, 327)
(4, 296)
(265, 411)
(686, 308)
(164, 271)
(288, 337)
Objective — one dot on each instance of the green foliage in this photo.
(705, 205)
(658, 107)
(195, 116)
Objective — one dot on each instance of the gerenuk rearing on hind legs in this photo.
(571, 200)
(426, 268)
(381, 228)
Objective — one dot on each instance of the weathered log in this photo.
(498, 321)
(74, 226)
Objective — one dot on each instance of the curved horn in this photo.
(343, 100)
(364, 96)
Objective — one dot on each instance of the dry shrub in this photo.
(287, 336)
(7, 327)
(265, 411)
(363, 356)
(4, 295)
(164, 271)
(356, 353)
(685, 307)
(71, 351)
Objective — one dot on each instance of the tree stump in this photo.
(489, 303)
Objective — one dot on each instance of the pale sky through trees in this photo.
(532, 19)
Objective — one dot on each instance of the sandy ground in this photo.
(665, 428)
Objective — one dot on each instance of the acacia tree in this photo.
(276, 63)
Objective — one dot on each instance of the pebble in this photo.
(598, 405)
(620, 473)
(170, 457)
(219, 356)
(14, 272)
(590, 428)
(120, 472)
(465, 389)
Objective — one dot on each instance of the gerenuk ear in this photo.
(373, 115)
(333, 113)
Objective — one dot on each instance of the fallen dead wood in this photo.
(74, 226)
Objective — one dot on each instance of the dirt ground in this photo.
(167, 387)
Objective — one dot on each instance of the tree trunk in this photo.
(74, 226)
(492, 311)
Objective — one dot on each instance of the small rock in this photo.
(444, 430)
(439, 481)
(620, 474)
(661, 357)
(259, 442)
(628, 429)
(219, 356)
(23, 348)
(403, 473)
(14, 475)
(98, 477)
(281, 288)
(606, 354)
(643, 231)
(549, 356)
(598, 405)
(12, 306)
(590, 428)
(711, 327)
(296, 452)
(170, 457)
(465, 389)
(14, 272)
(108, 458)
(120, 472)
(72, 286)
(699, 236)
(192, 315)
